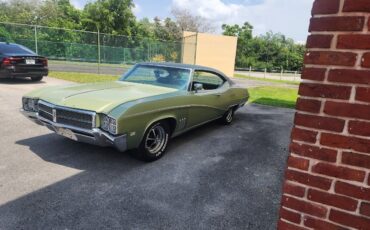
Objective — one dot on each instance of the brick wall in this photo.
(327, 181)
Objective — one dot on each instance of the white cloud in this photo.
(137, 9)
(290, 17)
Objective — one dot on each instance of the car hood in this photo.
(98, 97)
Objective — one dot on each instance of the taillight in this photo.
(45, 62)
(7, 61)
(10, 60)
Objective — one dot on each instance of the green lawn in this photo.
(267, 80)
(92, 64)
(274, 96)
(267, 95)
(82, 77)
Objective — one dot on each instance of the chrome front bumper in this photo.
(93, 136)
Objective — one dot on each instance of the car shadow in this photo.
(15, 81)
(84, 156)
(76, 155)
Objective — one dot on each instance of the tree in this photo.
(110, 16)
(270, 51)
(144, 29)
(244, 34)
(189, 22)
(166, 30)
(3, 12)
(59, 13)
(20, 11)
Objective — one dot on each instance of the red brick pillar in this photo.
(327, 182)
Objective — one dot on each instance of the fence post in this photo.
(124, 56)
(250, 71)
(36, 45)
(98, 51)
(281, 74)
(295, 74)
(149, 46)
(264, 75)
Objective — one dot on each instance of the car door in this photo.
(211, 101)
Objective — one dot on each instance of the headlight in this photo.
(30, 104)
(108, 124)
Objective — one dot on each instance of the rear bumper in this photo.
(10, 72)
(94, 136)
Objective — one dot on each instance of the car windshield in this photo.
(170, 77)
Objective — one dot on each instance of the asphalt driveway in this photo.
(214, 177)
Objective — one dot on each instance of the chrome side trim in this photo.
(54, 114)
(174, 107)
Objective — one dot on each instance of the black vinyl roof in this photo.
(180, 65)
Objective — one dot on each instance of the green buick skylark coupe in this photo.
(150, 104)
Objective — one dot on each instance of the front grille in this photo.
(45, 111)
(73, 118)
(66, 116)
(45, 115)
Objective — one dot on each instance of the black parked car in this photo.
(19, 61)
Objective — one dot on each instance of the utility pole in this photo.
(98, 49)
(36, 47)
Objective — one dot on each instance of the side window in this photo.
(209, 80)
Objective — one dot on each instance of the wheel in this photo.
(38, 78)
(155, 142)
(228, 117)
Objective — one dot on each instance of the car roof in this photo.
(8, 44)
(185, 66)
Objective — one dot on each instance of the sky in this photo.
(289, 17)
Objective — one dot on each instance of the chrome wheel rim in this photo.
(229, 116)
(155, 139)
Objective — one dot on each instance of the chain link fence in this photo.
(281, 74)
(94, 52)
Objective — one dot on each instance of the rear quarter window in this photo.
(208, 79)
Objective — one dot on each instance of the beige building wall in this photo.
(189, 47)
(216, 51)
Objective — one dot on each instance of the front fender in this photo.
(135, 126)
(160, 118)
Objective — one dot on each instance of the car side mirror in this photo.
(198, 87)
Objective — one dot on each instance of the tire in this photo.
(155, 142)
(38, 78)
(228, 117)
